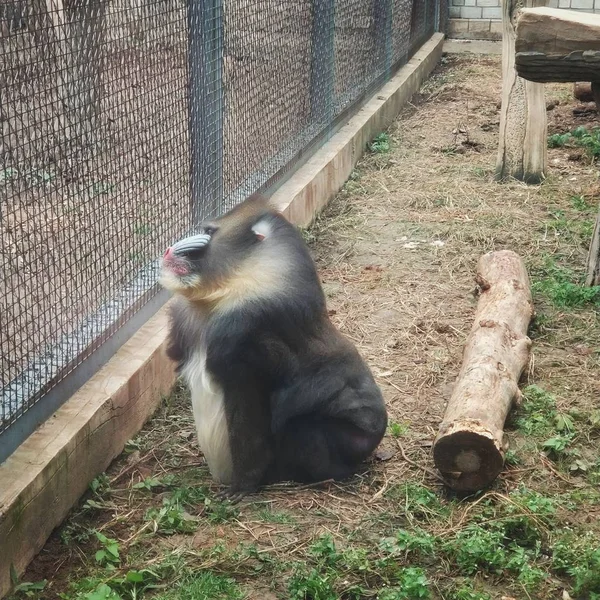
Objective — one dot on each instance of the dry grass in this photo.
(397, 251)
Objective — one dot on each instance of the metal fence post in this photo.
(205, 68)
(442, 14)
(382, 32)
(322, 62)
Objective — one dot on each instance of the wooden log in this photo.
(557, 45)
(593, 261)
(470, 446)
(522, 148)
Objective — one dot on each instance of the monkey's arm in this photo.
(250, 439)
(232, 354)
(184, 333)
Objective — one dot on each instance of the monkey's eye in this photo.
(210, 230)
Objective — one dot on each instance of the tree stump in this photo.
(522, 149)
(470, 446)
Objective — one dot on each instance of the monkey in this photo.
(278, 392)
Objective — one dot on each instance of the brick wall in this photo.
(481, 19)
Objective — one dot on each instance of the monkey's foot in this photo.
(234, 495)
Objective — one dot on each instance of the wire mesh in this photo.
(126, 122)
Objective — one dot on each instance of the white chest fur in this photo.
(209, 415)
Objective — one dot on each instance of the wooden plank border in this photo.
(46, 476)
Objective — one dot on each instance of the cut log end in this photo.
(468, 460)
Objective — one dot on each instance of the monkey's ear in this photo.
(261, 229)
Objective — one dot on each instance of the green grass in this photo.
(397, 429)
(381, 144)
(563, 287)
(204, 586)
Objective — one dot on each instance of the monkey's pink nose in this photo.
(168, 254)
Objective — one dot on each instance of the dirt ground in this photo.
(396, 251)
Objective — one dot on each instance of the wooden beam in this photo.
(557, 45)
(522, 149)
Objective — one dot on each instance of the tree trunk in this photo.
(593, 262)
(557, 45)
(470, 446)
(80, 89)
(522, 150)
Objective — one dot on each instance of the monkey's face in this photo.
(231, 258)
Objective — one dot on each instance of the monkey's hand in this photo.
(235, 493)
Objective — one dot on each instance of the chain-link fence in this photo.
(126, 122)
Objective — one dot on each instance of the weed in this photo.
(148, 484)
(398, 429)
(538, 504)
(579, 137)
(311, 584)
(29, 589)
(357, 560)
(590, 140)
(413, 585)
(565, 294)
(381, 144)
(537, 412)
(129, 585)
(564, 423)
(489, 548)
(419, 502)
(579, 558)
(465, 591)
(449, 150)
(100, 485)
(558, 140)
(580, 203)
(74, 532)
(102, 592)
(108, 555)
(577, 230)
(556, 445)
(171, 518)
(418, 542)
(101, 188)
(477, 548)
(202, 585)
(512, 458)
(324, 551)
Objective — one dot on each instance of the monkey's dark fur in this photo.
(300, 404)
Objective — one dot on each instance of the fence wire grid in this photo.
(124, 123)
